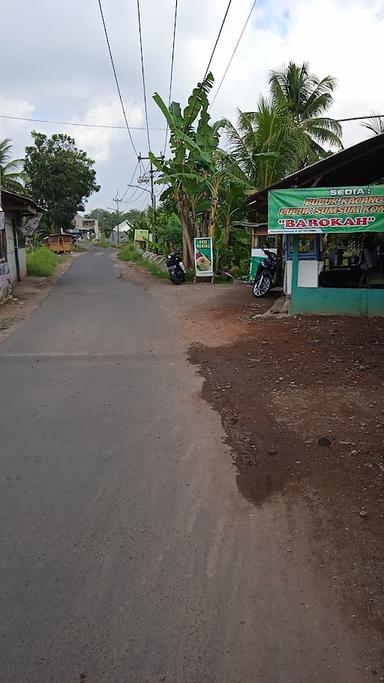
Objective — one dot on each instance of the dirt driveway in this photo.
(301, 401)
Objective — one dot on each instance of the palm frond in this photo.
(324, 129)
(376, 126)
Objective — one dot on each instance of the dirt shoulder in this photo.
(301, 402)
(211, 314)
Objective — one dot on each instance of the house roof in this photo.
(361, 164)
(12, 201)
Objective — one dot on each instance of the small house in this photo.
(19, 218)
(88, 228)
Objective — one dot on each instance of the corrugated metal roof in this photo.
(21, 198)
(361, 164)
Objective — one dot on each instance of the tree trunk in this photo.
(213, 211)
(187, 240)
(227, 225)
(187, 248)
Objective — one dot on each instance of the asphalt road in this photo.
(127, 552)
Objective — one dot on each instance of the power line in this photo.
(211, 57)
(218, 38)
(133, 196)
(128, 186)
(361, 118)
(143, 73)
(234, 51)
(72, 123)
(107, 125)
(171, 74)
(116, 79)
(142, 203)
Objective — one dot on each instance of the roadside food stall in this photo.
(330, 216)
(336, 282)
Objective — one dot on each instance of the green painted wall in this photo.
(255, 262)
(337, 301)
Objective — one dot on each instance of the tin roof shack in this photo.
(342, 195)
(21, 218)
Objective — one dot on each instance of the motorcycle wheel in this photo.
(261, 286)
(177, 278)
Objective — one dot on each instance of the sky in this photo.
(55, 65)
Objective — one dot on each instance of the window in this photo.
(309, 247)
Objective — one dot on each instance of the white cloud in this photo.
(17, 131)
(60, 69)
(98, 141)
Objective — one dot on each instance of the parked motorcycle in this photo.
(266, 274)
(176, 268)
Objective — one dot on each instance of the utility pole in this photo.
(153, 196)
(117, 201)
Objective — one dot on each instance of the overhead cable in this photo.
(171, 73)
(361, 118)
(107, 125)
(217, 39)
(129, 184)
(211, 57)
(73, 123)
(143, 73)
(134, 194)
(235, 50)
(115, 76)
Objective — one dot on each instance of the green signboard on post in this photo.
(322, 210)
(203, 256)
(141, 235)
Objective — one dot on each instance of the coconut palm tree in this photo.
(307, 98)
(11, 174)
(375, 126)
(266, 144)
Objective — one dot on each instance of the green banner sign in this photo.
(141, 235)
(322, 210)
(203, 256)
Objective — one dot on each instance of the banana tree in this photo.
(191, 171)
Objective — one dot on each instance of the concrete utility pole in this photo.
(117, 201)
(153, 196)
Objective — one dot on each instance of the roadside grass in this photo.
(129, 253)
(42, 262)
(102, 243)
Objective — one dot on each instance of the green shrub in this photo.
(42, 262)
